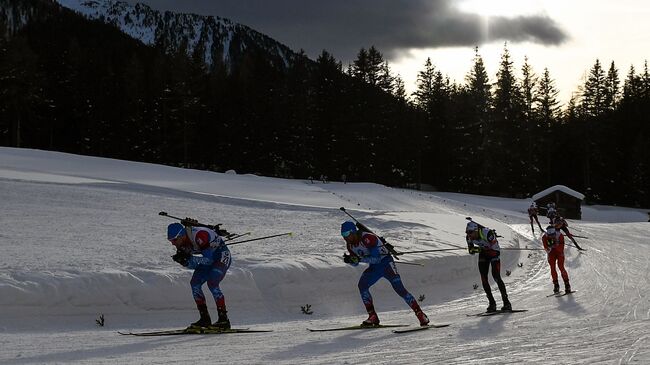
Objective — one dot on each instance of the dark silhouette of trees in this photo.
(73, 85)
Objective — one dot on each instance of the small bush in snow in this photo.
(521, 264)
(508, 272)
(475, 286)
(306, 309)
(100, 320)
(421, 298)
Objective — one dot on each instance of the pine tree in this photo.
(612, 89)
(473, 124)
(532, 128)
(507, 157)
(547, 116)
(594, 93)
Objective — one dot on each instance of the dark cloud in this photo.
(344, 26)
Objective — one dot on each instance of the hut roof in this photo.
(561, 188)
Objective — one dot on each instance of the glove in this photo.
(182, 258)
(474, 249)
(349, 259)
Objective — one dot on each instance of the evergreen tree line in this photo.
(76, 86)
(513, 138)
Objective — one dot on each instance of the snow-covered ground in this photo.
(81, 236)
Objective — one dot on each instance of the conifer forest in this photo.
(73, 85)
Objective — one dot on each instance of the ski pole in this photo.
(403, 263)
(436, 250)
(522, 248)
(261, 238)
(236, 236)
(580, 236)
(410, 263)
(390, 247)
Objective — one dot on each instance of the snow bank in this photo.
(272, 291)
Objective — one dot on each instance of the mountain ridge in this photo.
(211, 39)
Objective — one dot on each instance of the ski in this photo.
(561, 294)
(485, 314)
(357, 327)
(421, 328)
(193, 331)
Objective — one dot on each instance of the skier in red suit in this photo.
(553, 241)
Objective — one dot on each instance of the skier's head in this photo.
(348, 228)
(175, 233)
(471, 227)
(551, 231)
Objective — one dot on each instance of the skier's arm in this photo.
(545, 243)
(470, 246)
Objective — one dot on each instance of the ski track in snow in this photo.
(74, 250)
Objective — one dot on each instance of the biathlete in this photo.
(210, 267)
(553, 242)
(369, 248)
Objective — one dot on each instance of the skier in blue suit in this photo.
(367, 247)
(210, 267)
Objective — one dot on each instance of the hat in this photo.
(471, 227)
(347, 228)
(175, 230)
(550, 230)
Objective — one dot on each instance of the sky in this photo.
(564, 36)
(82, 237)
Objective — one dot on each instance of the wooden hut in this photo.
(567, 201)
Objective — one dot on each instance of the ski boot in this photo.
(372, 321)
(556, 287)
(567, 287)
(492, 307)
(507, 307)
(222, 323)
(424, 320)
(205, 320)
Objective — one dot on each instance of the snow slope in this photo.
(81, 237)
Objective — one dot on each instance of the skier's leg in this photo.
(199, 277)
(563, 272)
(215, 277)
(390, 273)
(552, 258)
(217, 274)
(368, 279)
(496, 275)
(483, 268)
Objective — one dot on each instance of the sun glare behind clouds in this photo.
(506, 8)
